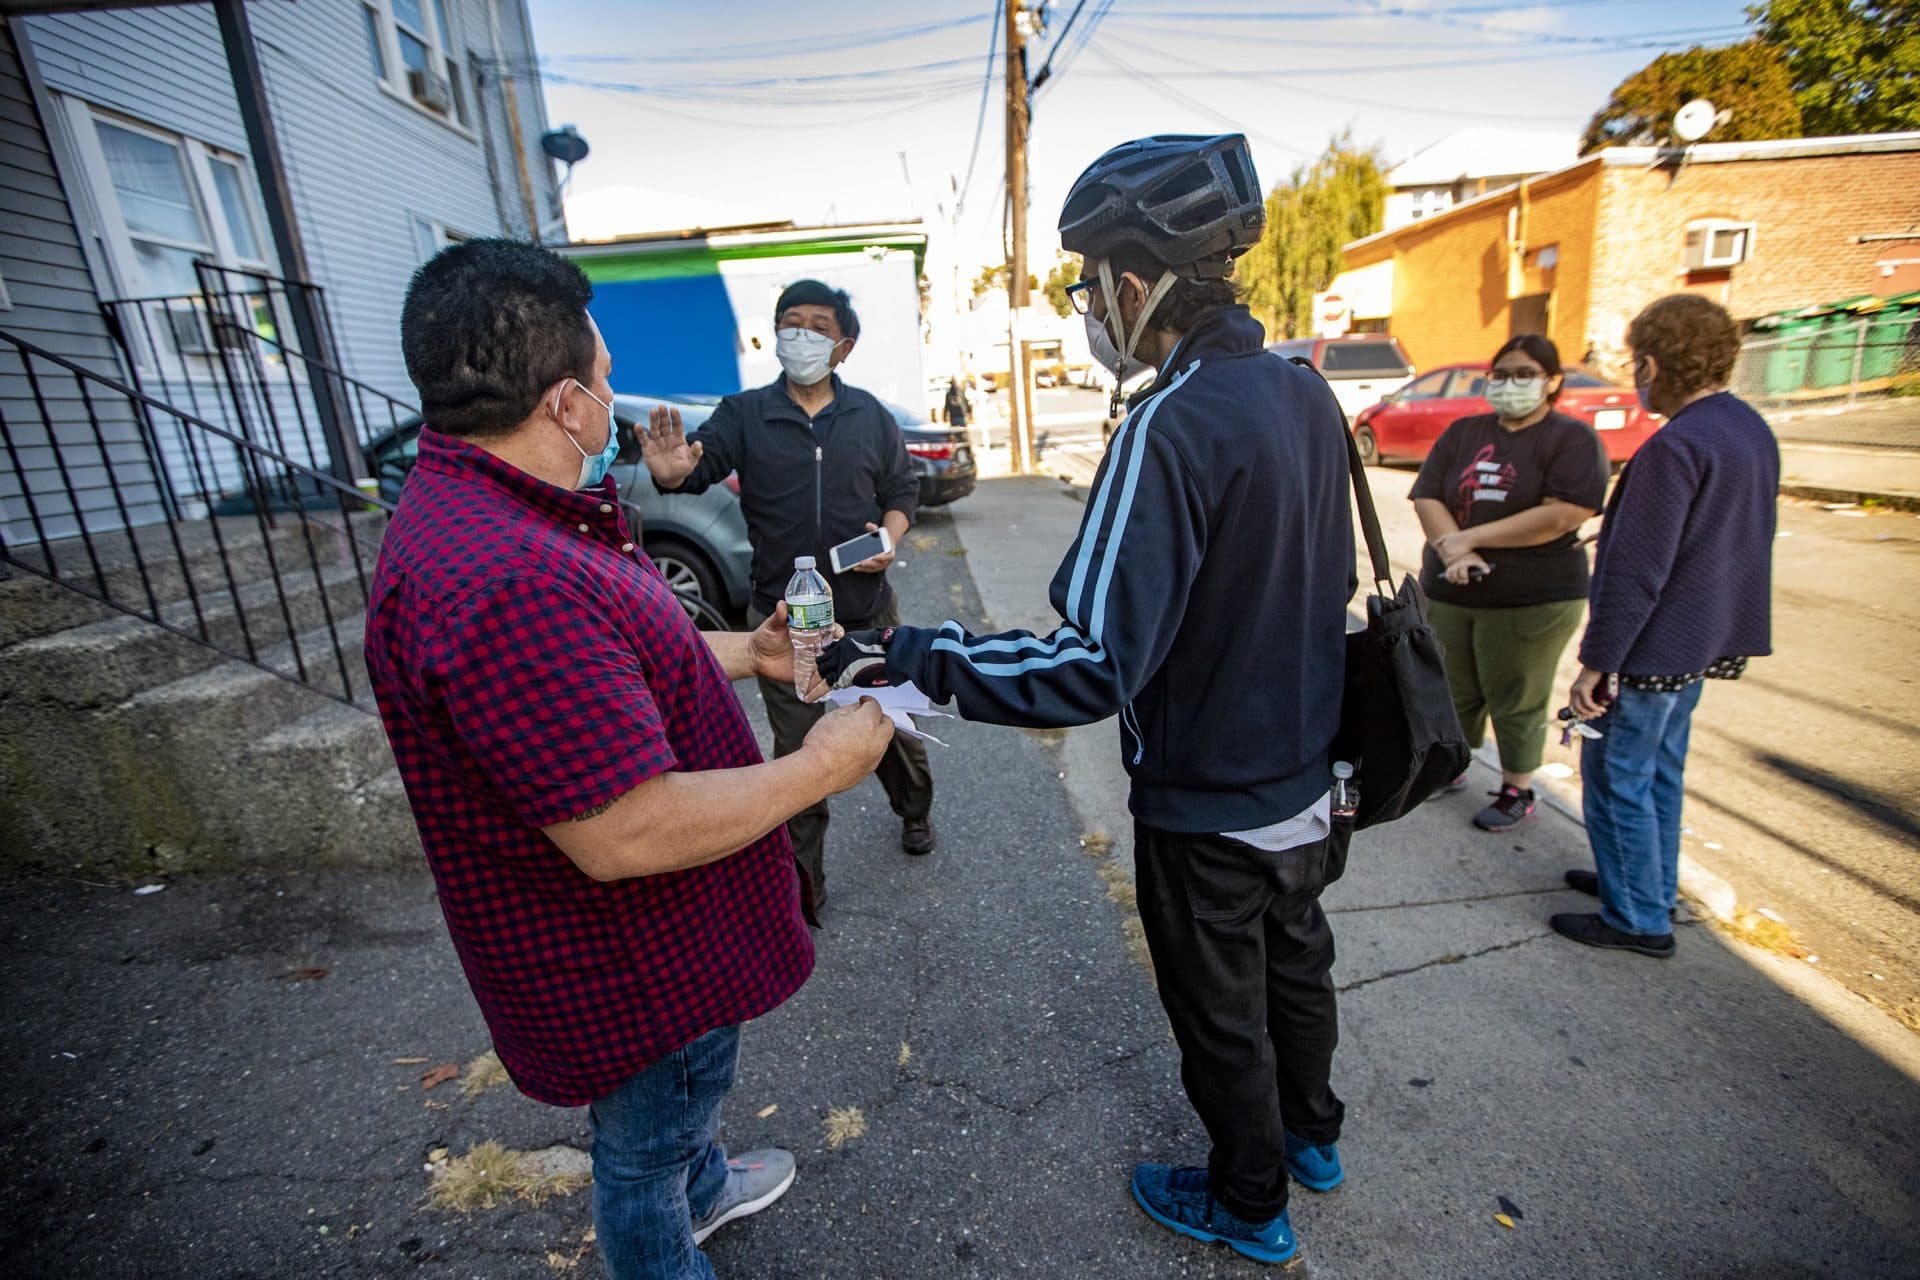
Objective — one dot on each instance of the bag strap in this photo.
(1362, 494)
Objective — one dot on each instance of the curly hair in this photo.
(1693, 339)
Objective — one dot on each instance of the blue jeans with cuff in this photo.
(1632, 790)
(656, 1165)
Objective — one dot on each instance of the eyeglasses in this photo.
(1080, 295)
(1499, 376)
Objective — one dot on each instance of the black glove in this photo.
(857, 660)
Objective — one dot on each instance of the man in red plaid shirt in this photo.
(606, 839)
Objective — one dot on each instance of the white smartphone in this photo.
(865, 547)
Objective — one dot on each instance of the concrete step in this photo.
(218, 554)
(101, 664)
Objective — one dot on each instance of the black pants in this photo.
(1242, 953)
(903, 770)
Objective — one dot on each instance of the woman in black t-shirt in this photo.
(1500, 498)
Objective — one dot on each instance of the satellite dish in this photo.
(567, 146)
(1693, 121)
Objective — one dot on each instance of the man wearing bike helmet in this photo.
(1204, 603)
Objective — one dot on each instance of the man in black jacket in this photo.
(1204, 602)
(819, 462)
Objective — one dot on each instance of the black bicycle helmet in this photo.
(1192, 202)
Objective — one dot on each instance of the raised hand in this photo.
(664, 446)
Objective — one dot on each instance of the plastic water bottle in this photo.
(809, 619)
(1345, 793)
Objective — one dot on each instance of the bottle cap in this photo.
(1341, 769)
(802, 562)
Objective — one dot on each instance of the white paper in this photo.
(900, 702)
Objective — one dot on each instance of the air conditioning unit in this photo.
(1712, 246)
(192, 335)
(433, 92)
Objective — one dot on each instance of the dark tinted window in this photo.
(1363, 357)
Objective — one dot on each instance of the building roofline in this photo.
(748, 235)
(1647, 157)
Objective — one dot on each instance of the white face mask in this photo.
(594, 466)
(1101, 337)
(805, 355)
(1517, 397)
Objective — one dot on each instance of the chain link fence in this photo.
(1837, 379)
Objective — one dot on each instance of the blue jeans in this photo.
(1632, 792)
(656, 1165)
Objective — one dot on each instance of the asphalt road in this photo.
(224, 1078)
(1803, 781)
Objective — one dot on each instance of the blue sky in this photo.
(745, 110)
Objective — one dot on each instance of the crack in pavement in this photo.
(1447, 959)
(1443, 902)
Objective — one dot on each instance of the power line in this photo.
(1367, 13)
(1165, 30)
(1046, 68)
(1168, 91)
(775, 48)
(980, 122)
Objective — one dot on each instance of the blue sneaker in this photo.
(1314, 1167)
(1179, 1200)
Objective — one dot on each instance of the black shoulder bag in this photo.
(1397, 724)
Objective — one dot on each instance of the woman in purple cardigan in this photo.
(1681, 593)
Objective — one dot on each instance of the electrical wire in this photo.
(774, 48)
(980, 119)
(1194, 104)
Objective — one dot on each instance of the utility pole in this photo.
(1019, 385)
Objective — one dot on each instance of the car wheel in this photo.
(687, 570)
(1369, 447)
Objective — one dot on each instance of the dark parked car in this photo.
(698, 541)
(941, 457)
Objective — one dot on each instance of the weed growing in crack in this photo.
(844, 1124)
(482, 1074)
(490, 1174)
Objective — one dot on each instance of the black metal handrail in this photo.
(276, 591)
(224, 355)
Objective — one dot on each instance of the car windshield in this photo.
(1364, 357)
(906, 417)
(1581, 378)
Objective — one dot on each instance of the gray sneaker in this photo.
(754, 1181)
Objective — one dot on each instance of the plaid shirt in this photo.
(531, 664)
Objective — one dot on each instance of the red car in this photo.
(1403, 427)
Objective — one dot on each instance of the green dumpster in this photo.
(1889, 332)
(1787, 364)
(1836, 350)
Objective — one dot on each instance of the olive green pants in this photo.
(1500, 666)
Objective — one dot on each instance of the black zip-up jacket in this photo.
(1204, 599)
(802, 495)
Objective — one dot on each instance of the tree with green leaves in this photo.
(1065, 272)
(1854, 64)
(1322, 206)
(997, 278)
(1750, 81)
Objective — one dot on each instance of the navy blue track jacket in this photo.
(1204, 598)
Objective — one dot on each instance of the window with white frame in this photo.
(414, 52)
(164, 202)
(430, 237)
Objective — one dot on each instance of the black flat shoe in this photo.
(1584, 881)
(1587, 927)
(917, 838)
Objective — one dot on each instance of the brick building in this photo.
(1760, 227)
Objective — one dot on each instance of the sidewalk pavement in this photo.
(223, 1078)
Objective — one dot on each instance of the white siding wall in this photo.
(54, 307)
(361, 163)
